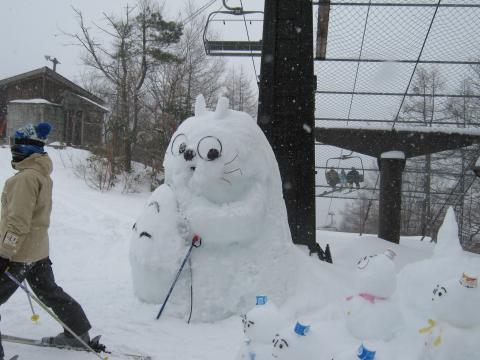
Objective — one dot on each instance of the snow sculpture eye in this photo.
(146, 234)
(209, 148)
(280, 343)
(179, 144)
(363, 262)
(246, 323)
(439, 291)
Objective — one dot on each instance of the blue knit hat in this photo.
(30, 139)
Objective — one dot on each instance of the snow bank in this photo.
(90, 234)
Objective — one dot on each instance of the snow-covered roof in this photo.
(55, 76)
(92, 102)
(33, 101)
(393, 155)
(412, 129)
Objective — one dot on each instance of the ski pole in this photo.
(52, 314)
(34, 316)
(196, 242)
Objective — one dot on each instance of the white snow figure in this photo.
(260, 326)
(371, 313)
(262, 322)
(226, 186)
(417, 279)
(156, 246)
(455, 331)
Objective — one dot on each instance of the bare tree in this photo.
(238, 88)
(424, 110)
(140, 40)
(360, 216)
(172, 88)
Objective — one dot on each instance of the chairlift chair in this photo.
(331, 226)
(336, 163)
(227, 47)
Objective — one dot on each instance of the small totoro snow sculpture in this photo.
(259, 327)
(371, 313)
(455, 329)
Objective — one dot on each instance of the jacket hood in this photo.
(39, 162)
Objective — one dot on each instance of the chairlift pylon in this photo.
(229, 47)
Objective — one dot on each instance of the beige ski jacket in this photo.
(26, 208)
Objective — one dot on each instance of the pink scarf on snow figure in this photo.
(369, 297)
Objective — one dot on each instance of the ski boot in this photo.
(65, 339)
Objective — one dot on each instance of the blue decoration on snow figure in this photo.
(365, 354)
(261, 299)
(300, 329)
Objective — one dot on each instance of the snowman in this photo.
(259, 327)
(455, 330)
(371, 313)
(221, 182)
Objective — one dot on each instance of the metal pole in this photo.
(390, 199)
(286, 107)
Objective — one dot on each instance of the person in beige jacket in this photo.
(26, 204)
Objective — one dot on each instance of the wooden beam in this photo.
(322, 29)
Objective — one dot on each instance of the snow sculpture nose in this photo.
(189, 155)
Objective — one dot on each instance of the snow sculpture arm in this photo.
(237, 221)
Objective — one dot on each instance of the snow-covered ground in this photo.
(90, 234)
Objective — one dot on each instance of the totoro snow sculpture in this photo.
(222, 182)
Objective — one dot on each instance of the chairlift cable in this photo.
(359, 57)
(198, 12)
(416, 63)
(356, 78)
(248, 37)
(362, 227)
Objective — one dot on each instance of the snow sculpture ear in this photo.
(222, 107)
(448, 243)
(200, 106)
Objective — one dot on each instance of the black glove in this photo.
(3, 264)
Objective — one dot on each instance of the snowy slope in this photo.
(89, 236)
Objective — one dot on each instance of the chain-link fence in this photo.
(398, 64)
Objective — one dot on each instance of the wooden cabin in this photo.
(76, 114)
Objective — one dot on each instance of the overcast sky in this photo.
(30, 29)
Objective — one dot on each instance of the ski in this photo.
(94, 343)
(14, 357)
